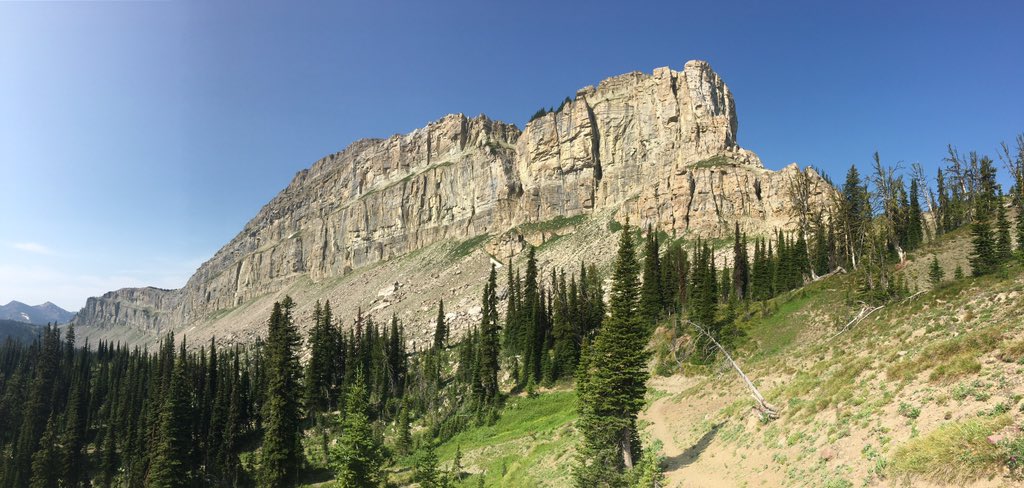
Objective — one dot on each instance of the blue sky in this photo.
(136, 138)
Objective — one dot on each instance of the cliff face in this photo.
(658, 149)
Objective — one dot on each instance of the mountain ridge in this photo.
(656, 149)
(41, 314)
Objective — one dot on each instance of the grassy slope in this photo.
(934, 363)
(530, 445)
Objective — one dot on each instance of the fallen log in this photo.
(765, 409)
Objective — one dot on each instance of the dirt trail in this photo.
(694, 458)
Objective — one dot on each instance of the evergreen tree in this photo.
(281, 454)
(46, 461)
(984, 257)
(935, 272)
(958, 273)
(320, 367)
(425, 472)
(73, 460)
(1004, 243)
(357, 458)
(38, 408)
(741, 265)
(915, 231)
(612, 393)
(170, 466)
(854, 214)
(820, 263)
(703, 298)
(650, 293)
(487, 356)
(456, 472)
(404, 438)
(440, 327)
(801, 261)
(942, 209)
(396, 360)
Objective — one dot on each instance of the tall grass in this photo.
(956, 453)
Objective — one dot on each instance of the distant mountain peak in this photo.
(44, 313)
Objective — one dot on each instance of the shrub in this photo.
(1012, 451)
(909, 411)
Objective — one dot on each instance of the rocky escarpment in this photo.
(655, 148)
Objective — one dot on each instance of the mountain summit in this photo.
(655, 149)
(37, 314)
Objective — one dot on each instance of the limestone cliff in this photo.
(658, 149)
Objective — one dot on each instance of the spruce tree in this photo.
(487, 355)
(440, 327)
(281, 454)
(984, 257)
(614, 387)
(404, 437)
(425, 472)
(46, 461)
(170, 467)
(73, 459)
(958, 273)
(320, 367)
(650, 293)
(1004, 243)
(915, 231)
(941, 216)
(741, 265)
(357, 458)
(935, 272)
(853, 215)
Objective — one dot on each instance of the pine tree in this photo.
(984, 257)
(487, 355)
(801, 261)
(37, 410)
(440, 327)
(404, 437)
(456, 472)
(703, 298)
(958, 273)
(942, 209)
(650, 291)
(1004, 243)
(357, 458)
(854, 215)
(73, 460)
(397, 366)
(230, 465)
(915, 231)
(281, 454)
(46, 461)
(613, 391)
(170, 466)
(425, 472)
(935, 272)
(320, 367)
(741, 265)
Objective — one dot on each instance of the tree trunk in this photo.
(626, 444)
(767, 410)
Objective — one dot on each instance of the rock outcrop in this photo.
(658, 149)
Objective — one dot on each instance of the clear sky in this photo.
(136, 138)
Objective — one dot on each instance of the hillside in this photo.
(906, 395)
(19, 331)
(360, 224)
